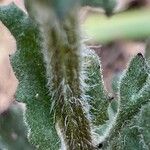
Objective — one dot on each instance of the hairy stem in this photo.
(64, 70)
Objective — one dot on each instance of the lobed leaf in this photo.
(133, 80)
(30, 70)
(134, 96)
(98, 98)
(136, 133)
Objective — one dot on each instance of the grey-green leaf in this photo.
(135, 134)
(133, 80)
(13, 129)
(134, 95)
(96, 91)
(30, 70)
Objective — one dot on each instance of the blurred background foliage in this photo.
(107, 5)
(117, 30)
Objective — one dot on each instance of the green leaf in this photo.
(143, 123)
(13, 129)
(128, 139)
(102, 131)
(95, 90)
(134, 89)
(136, 133)
(134, 79)
(30, 70)
(108, 5)
(134, 94)
(116, 82)
(112, 109)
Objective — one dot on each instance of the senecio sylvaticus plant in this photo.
(60, 82)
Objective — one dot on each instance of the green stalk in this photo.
(133, 25)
